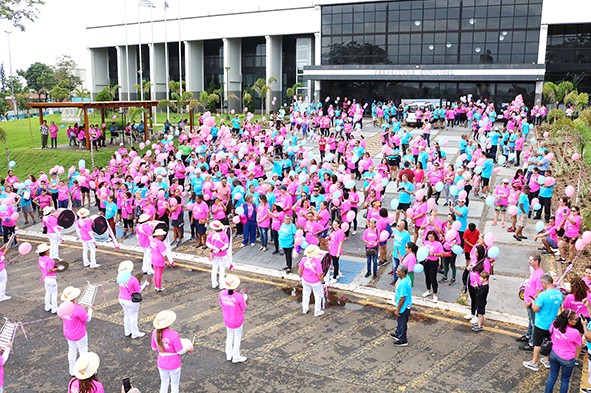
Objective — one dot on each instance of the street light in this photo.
(227, 86)
(11, 78)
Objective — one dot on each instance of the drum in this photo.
(99, 224)
(65, 218)
(161, 225)
(186, 343)
(326, 262)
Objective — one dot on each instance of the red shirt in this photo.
(471, 237)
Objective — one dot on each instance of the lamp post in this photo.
(227, 89)
(11, 80)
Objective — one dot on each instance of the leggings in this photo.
(431, 274)
(7, 233)
(447, 263)
(288, 256)
(158, 270)
(472, 292)
(335, 266)
(275, 237)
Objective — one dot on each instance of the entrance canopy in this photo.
(99, 105)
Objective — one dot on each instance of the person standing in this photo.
(336, 238)
(310, 271)
(75, 326)
(533, 287)
(84, 378)
(44, 130)
(144, 231)
(53, 232)
(159, 257)
(167, 343)
(431, 265)
(286, 235)
(403, 303)
(84, 229)
(263, 221)
(546, 307)
(3, 276)
(218, 243)
(5, 352)
(48, 269)
(371, 238)
(401, 239)
(130, 308)
(233, 305)
(522, 213)
(250, 226)
(53, 130)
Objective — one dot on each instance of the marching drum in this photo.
(160, 225)
(65, 218)
(99, 224)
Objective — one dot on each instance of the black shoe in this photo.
(525, 347)
(542, 249)
(516, 238)
(375, 276)
(464, 289)
(367, 274)
(275, 253)
(393, 335)
(523, 237)
(522, 339)
(383, 263)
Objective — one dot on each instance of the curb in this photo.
(359, 290)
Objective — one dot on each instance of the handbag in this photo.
(370, 252)
(546, 346)
(136, 297)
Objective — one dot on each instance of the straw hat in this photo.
(143, 218)
(47, 210)
(125, 266)
(159, 232)
(232, 281)
(312, 251)
(83, 212)
(70, 293)
(87, 365)
(216, 225)
(42, 248)
(164, 319)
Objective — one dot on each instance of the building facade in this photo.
(436, 49)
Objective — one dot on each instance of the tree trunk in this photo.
(7, 155)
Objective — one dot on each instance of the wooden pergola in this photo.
(102, 106)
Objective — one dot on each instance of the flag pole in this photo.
(180, 57)
(167, 71)
(141, 71)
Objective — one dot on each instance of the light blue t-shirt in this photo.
(404, 197)
(287, 235)
(549, 302)
(404, 289)
(523, 200)
(487, 168)
(110, 210)
(463, 219)
(400, 241)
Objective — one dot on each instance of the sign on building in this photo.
(70, 115)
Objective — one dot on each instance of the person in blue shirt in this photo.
(405, 190)
(316, 198)
(461, 212)
(286, 235)
(545, 197)
(403, 303)
(487, 169)
(522, 212)
(236, 124)
(494, 143)
(401, 239)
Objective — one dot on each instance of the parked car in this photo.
(411, 112)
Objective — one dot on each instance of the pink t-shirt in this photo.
(418, 209)
(50, 223)
(371, 237)
(144, 231)
(218, 243)
(263, 217)
(434, 247)
(75, 323)
(85, 227)
(171, 343)
(45, 265)
(533, 285)
(572, 230)
(565, 344)
(233, 307)
(410, 260)
(74, 386)
(158, 248)
(335, 239)
(311, 268)
(132, 286)
(578, 307)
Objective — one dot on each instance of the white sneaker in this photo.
(474, 320)
(252, 244)
(239, 359)
(5, 298)
(468, 316)
(354, 233)
(428, 293)
(94, 266)
(435, 299)
(229, 358)
(319, 314)
(305, 311)
(142, 334)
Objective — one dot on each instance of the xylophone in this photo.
(88, 296)
(7, 332)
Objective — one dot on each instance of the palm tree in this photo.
(81, 92)
(108, 93)
(262, 89)
(550, 92)
(292, 91)
(146, 90)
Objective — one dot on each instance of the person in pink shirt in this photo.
(48, 269)
(5, 352)
(419, 215)
(130, 308)
(336, 238)
(84, 379)
(218, 243)
(170, 348)
(179, 171)
(571, 234)
(566, 340)
(177, 216)
(233, 305)
(144, 232)
(53, 232)
(159, 257)
(310, 271)
(501, 194)
(3, 275)
(200, 216)
(53, 130)
(263, 218)
(75, 325)
(371, 238)
(86, 234)
(431, 264)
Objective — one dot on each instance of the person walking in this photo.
(310, 271)
(75, 326)
(218, 243)
(403, 303)
(131, 307)
(565, 341)
(286, 237)
(233, 305)
(167, 343)
(144, 231)
(159, 257)
(84, 229)
(48, 269)
(336, 238)
(84, 379)
(533, 287)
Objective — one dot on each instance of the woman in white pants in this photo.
(128, 284)
(48, 269)
(167, 343)
(233, 306)
(218, 244)
(310, 271)
(84, 229)
(75, 318)
(144, 231)
(3, 274)
(53, 232)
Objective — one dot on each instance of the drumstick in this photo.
(193, 341)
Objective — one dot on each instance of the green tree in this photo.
(59, 94)
(550, 92)
(16, 83)
(175, 86)
(4, 106)
(247, 98)
(182, 99)
(66, 72)
(107, 94)
(38, 76)
(3, 86)
(81, 92)
(19, 11)
(292, 91)
(21, 101)
(262, 89)
(563, 89)
(209, 101)
(146, 85)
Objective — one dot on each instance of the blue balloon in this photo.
(28, 182)
(490, 199)
(457, 249)
(304, 245)
(418, 268)
(478, 169)
(537, 206)
(394, 203)
(540, 226)
(11, 164)
(501, 160)
(493, 252)
(123, 277)
(350, 184)
(439, 186)
(385, 182)
(453, 190)
(422, 253)
(541, 180)
(3, 207)
(337, 194)
(81, 164)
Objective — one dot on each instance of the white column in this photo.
(99, 63)
(274, 67)
(541, 59)
(317, 61)
(132, 68)
(157, 72)
(233, 76)
(194, 67)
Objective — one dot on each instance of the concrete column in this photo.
(194, 67)
(123, 70)
(542, 45)
(99, 63)
(274, 67)
(157, 72)
(317, 61)
(233, 75)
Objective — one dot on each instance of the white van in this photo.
(411, 117)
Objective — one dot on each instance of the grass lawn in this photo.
(24, 142)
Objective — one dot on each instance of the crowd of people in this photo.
(245, 178)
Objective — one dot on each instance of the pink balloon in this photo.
(142, 145)
(550, 156)
(450, 235)
(471, 164)
(238, 196)
(463, 194)
(24, 248)
(336, 201)
(144, 179)
(549, 181)
(333, 188)
(298, 241)
(512, 210)
(173, 202)
(431, 203)
(497, 169)
(489, 239)
(569, 191)
(576, 156)
(65, 309)
(409, 212)
(534, 201)
(384, 235)
(350, 215)
(460, 184)
(71, 170)
(299, 233)
(579, 244)
(60, 170)
(189, 206)
(586, 237)
(420, 194)
(345, 226)
(14, 216)
(456, 225)
(235, 219)
(207, 197)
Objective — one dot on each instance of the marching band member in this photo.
(130, 308)
(218, 243)
(159, 257)
(144, 231)
(75, 326)
(84, 229)
(310, 271)
(233, 306)
(3, 275)
(85, 380)
(48, 269)
(3, 360)
(53, 232)
(167, 343)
